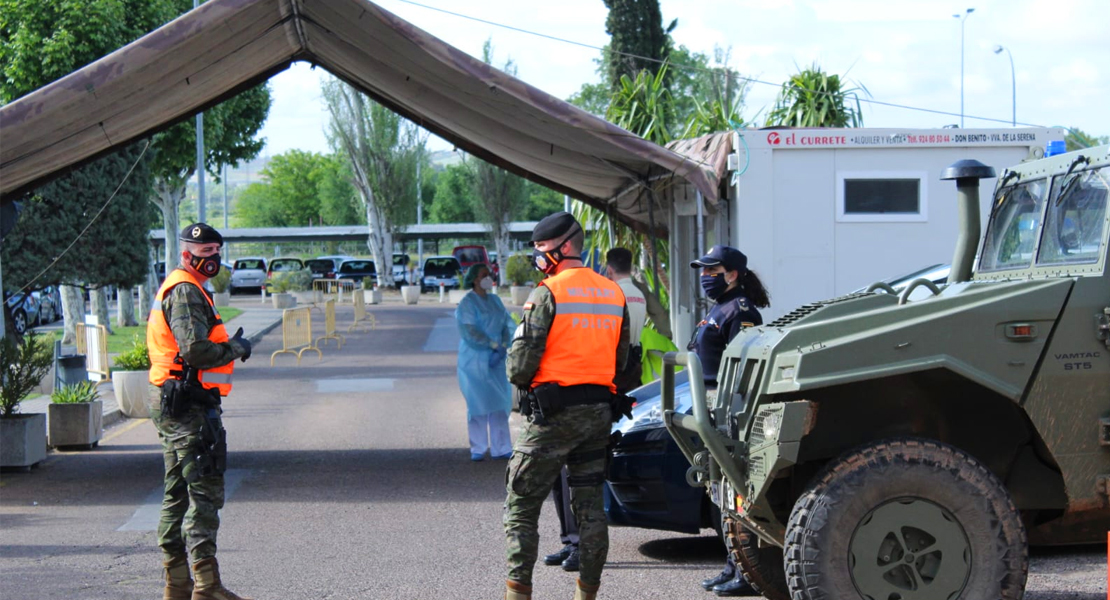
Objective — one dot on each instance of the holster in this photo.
(183, 391)
(211, 450)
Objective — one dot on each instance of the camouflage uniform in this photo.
(577, 437)
(195, 505)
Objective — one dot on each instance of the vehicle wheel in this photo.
(902, 519)
(19, 321)
(761, 564)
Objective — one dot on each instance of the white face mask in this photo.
(486, 283)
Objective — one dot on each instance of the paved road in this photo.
(350, 479)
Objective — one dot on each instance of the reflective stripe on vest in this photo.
(163, 347)
(583, 339)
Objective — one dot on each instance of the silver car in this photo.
(248, 273)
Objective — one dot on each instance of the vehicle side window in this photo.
(1015, 219)
(1076, 218)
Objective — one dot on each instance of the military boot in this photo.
(517, 591)
(209, 586)
(179, 586)
(585, 591)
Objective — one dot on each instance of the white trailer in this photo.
(823, 212)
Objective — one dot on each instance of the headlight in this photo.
(771, 424)
(786, 374)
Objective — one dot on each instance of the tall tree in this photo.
(382, 150)
(454, 196)
(229, 138)
(813, 98)
(499, 194)
(638, 40)
(1077, 139)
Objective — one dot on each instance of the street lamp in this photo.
(1013, 80)
(962, 17)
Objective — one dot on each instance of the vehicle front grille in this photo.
(757, 432)
(807, 309)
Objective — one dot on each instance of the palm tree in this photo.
(813, 98)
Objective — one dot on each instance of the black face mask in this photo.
(549, 261)
(714, 285)
(208, 266)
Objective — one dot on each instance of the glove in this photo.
(496, 357)
(244, 342)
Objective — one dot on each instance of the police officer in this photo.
(619, 270)
(191, 363)
(571, 344)
(737, 293)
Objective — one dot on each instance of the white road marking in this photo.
(146, 517)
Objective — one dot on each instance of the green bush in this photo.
(137, 358)
(76, 394)
(519, 270)
(221, 282)
(22, 365)
(368, 283)
(292, 281)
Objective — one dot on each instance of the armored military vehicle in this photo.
(911, 445)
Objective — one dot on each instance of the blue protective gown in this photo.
(483, 323)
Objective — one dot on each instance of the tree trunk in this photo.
(169, 200)
(99, 298)
(146, 290)
(125, 316)
(502, 245)
(73, 311)
(378, 237)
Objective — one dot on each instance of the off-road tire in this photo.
(897, 475)
(762, 566)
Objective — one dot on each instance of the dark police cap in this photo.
(201, 233)
(555, 226)
(728, 257)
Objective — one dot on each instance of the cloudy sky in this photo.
(905, 52)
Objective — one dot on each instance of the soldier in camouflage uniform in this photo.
(190, 507)
(590, 347)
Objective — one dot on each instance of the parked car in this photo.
(50, 304)
(283, 265)
(248, 273)
(647, 476)
(400, 268)
(470, 255)
(357, 269)
(24, 310)
(440, 269)
(321, 268)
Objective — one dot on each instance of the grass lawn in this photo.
(121, 338)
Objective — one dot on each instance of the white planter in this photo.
(76, 424)
(372, 296)
(222, 298)
(282, 301)
(131, 389)
(456, 296)
(22, 440)
(519, 294)
(410, 293)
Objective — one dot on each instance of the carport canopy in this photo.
(226, 46)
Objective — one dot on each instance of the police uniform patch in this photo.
(528, 306)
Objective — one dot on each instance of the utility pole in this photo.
(225, 196)
(962, 19)
(200, 158)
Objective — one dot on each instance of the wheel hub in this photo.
(909, 549)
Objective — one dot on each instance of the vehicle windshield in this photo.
(441, 267)
(248, 263)
(1015, 220)
(400, 260)
(470, 255)
(1075, 219)
(357, 266)
(286, 264)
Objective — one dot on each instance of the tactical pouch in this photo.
(210, 453)
(549, 398)
(175, 400)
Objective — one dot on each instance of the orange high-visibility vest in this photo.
(583, 339)
(163, 347)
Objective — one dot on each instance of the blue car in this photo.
(647, 477)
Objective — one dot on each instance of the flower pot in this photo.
(282, 301)
(131, 389)
(79, 424)
(519, 294)
(372, 296)
(22, 440)
(222, 298)
(410, 293)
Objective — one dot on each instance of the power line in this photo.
(728, 72)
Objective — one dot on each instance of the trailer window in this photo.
(881, 196)
(1076, 218)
